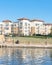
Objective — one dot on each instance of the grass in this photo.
(33, 40)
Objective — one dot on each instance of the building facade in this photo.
(25, 27)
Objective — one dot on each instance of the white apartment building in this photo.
(7, 27)
(47, 28)
(24, 26)
(37, 25)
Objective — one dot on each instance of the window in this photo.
(29, 24)
(28, 30)
(37, 24)
(21, 23)
(20, 27)
(25, 30)
(0, 32)
(20, 30)
(6, 28)
(25, 27)
(0, 25)
(25, 24)
(29, 27)
(14, 25)
(7, 24)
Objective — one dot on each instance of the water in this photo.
(25, 56)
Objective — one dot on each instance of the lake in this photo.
(25, 56)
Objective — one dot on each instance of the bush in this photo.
(14, 35)
(38, 35)
(17, 42)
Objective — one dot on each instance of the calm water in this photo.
(25, 56)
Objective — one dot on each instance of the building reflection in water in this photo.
(25, 56)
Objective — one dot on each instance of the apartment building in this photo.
(47, 28)
(36, 25)
(14, 28)
(25, 27)
(8, 27)
(5, 27)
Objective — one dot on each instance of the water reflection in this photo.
(25, 56)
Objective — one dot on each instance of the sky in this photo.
(31, 9)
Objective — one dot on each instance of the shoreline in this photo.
(25, 46)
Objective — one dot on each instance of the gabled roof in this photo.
(48, 24)
(7, 21)
(37, 20)
(23, 19)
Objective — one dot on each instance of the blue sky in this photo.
(32, 9)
